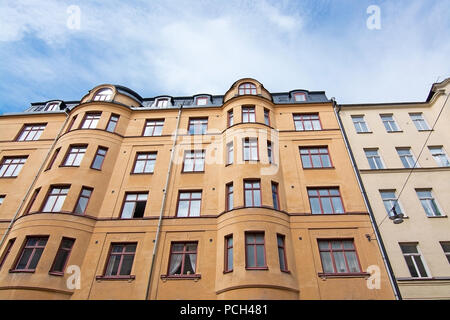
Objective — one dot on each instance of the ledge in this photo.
(194, 277)
(417, 279)
(21, 271)
(433, 217)
(343, 275)
(130, 277)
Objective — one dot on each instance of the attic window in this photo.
(162, 102)
(51, 106)
(247, 88)
(201, 101)
(103, 95)
(299, 96)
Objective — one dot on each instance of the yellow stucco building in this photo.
(246, 195)
(401, 150)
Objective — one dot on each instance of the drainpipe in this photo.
(34, 180)
(391, 275)
(163, 205)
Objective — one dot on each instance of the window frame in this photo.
(230, 118)
(247, 88)
(60, 248)
(275, 193)
(251, 148)
(423, 123)
(300, 117)
(122, 253)
(195, 160)
(439, 155)
(230, 152)
(101, 96)
(31, 256)
(72, 123)
(40, 129)
(429, 199)
(94, 117)
(229, 193)
(298, 94)
(358, 124)
(69, 152)
(20, 164)
(442, 243)
(255, 255)
(412, 255)
(137, 193)
(283, 247)
(99, 155)
(32, 201)
(80, 195)
(391, 123)
(115, 122)
(53, 159)
(195, 121)
(267, 117)
(319, 154)
(7, 251)
(228, 248)
(249, 112)
(343, 250)
(155, 123)
(330, 196)
(49, 193)
(383, 166)
(146, 161)
(197, 99)
(390, 200)
(253, 190)
(184, 252)
(190, 199)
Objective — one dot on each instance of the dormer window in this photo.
(51, 106)
(201, 101)
(247, 88)
(299, 97)
(103, 95)
(164, 102)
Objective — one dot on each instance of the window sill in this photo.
(444, 216)
(140, 173)
(54, 273)
(195, 277)
(227, 271)
(8, 177)
(193, 171)
(256, 268)
(95, 169)
(21, 271)
(319, 168)
(364, 132)
(129, 278)
(343, 275)
(286, 271)
(397, 131)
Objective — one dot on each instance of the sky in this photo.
(57, 49)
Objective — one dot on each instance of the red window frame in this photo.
(269, 151)
(52, 160)
(113, 120)
(247, 88)
(74, 150)
(122, 253)
(310, 155)
(230, 118)
(198, 160)
(276, 200)
(189, 200)
(282, 238)
(230, 153)
(330, 250)
(59, 194)
(195, 123)
(247, 112)
(147, 158)
(228, 249)
(255, 244)
(72, 122)
(31, 131)
(125, 201)
(60, 251)
(7, 251)
(229, 192)
(151, 125)
(183, 253)
(297, 94)
(17, 162)
(81, 196)
(250, 144)
(99, 155)
(33, 252)
(90, 118)
(329, 195)
(267, 116)
(197, 100)
(162, 102)
(32, 200)
(302, 118)
(253, 189)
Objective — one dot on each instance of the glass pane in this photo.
(97, 162)
(139, 209)
(326, 205)
(336, 245)
(81, 205)
(324, 245)
(260, 256)
(411, 267)
(348, 244)
(24, 259)
(177, 247)
(35, 258)
(257, 198)
(139, 167)
(248, 198)
(230, 259)
(340, 262)
(352, 261)
(409, 248)
(49, 205)
(127, 263)
(183, 207)
(315, 205)
(142, 197)
(113, 265)
(128, 209)
(420, 266)
(175, 264)
(326, 161)
(281, 258)
(337, 204)
(327, 263)
(185, 195)
(250, 256)
(188, 165)
(195, 208)
(60, 260)
(59, 203)
(316, 161)
(189, 263)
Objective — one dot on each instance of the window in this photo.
(145, 162)
(100, 155)
(229, 196)
(7, 251)
(252, 193)
(325, 201)
(406, 157)
(90, 120)
(360, 124)
(428, 203)
(31, 132)
(255, 255)
(198, 126)
(419, 121)
(445, 246)
(11, 166)
(55, 199)
(250, 149)
(194, 161)
(315, 157)
(230, 153)
(83, 200)
(52, 160)
(31, 253)
(134, 205)
(374, 159)
(299, 97)
(103, 95)
(228, 253)
(162, 102)
(269, 151)
(247, 88)
(282, 252)
(51, 106)
(2, 198)
(112, 123)
(62, 256)
(32, 200)
(307, 122)
(230, 117)
(267, 116)
(414, 260)
(72, 122)
(275, 197)
(338, 256)
(183, 258)
(248, 114)
(390, 201)
(153, 128)
(75, 155)
(120, 260)
(189, 203)
(389, 122)
(439, 156)
(201, 101)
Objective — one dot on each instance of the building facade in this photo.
(401, 150)
(246, 195)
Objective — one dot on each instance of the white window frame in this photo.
(428, 200)
(439, 156)
(357, 124)
(378, 155)
(418, 254)
(408, 157)
(390, 123)
(420, 123)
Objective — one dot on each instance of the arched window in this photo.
(103, 95)
(247, 88)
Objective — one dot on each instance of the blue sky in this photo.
(202, 46)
